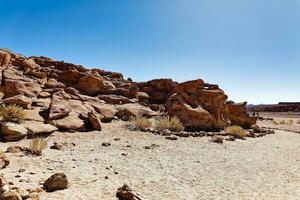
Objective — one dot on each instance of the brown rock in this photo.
(20, 99)
(238, 115)
(95, 121)
(115, 99)
(30, 64)
(92, 85)
(15, 87)
(107, 111)
(126, 193)
(53, 83)
(3, 160)
(217, 139)
(38, 128)
(59, 106)
(126, 111)
(57, 181)
(4, 58)
(12, 132)
(71, 122)
(10, 195)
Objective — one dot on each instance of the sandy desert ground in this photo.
(292, 121)
(185, 169)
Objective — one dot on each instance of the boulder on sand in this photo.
(57, 181)
(12, 131)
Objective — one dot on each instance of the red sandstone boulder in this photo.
(238, 115)
(59, 106)
(92, 85)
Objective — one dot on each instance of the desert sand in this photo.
(286, 117)
(188, 168)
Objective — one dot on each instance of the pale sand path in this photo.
(186, 169)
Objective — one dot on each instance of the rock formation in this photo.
(65, 96)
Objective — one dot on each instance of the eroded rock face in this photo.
(64, 95)
(238, 115)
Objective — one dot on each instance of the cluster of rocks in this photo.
(62, 96)
(8, 191)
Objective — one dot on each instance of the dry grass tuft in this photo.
(141, 123)
(274, 122)
(12, 113)
(37, 146)
(236, 131)
(173, 124)
(282, 122)
(163, 123)
(291, 122)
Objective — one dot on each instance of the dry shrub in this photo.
(12, 113)
(141, 123)
(37, 146)
(163, 123)
(275, 122)
(236, 131)
(173, 124)
(282, 122)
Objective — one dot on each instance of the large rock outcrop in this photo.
(65, 96)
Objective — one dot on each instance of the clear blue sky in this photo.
(251, 48)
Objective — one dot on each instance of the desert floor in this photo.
(185, 169)
(291, 121)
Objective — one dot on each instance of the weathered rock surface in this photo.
(12, 131)
(71, 122)
(38, 128)
(20, 99)
(238, 115)
(4, 161)
(95, 120)
(65, 95)
(57, 181)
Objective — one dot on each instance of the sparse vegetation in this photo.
(274, 122)
(282, 122)
(173, 124)
(236, 131)
(37, 146)
(12, 113)
(141, 123)
(298, 122)
(291, 122)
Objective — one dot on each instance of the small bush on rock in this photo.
(12, 113)
(141, 123)
(236, 131)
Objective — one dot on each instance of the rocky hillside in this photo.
(65, 96)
